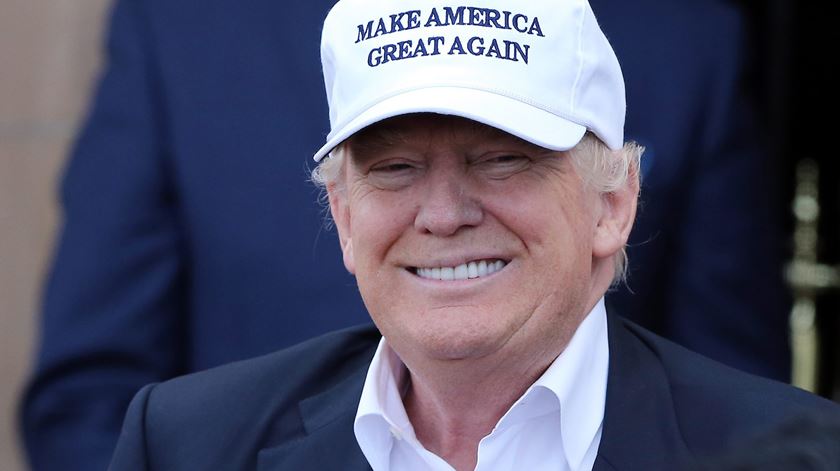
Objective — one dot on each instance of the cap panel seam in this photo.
(579, 75)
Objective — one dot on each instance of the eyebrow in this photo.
(386, 134)
(489, 132)
(376, 138)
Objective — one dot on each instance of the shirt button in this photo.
(396, 433)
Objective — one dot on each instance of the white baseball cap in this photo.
(541, 70)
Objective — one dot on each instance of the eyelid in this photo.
(494, 156)
(384, 164)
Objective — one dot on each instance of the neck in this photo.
(451, 410)
(453, 404)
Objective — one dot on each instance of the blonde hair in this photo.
(606, 171)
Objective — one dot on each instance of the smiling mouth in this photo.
(464, 271)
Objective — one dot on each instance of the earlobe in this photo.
(349, 261)
(618, 211)
(341, 217)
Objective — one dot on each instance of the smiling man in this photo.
(478, 255)
(483, 206)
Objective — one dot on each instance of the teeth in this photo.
(464, 271)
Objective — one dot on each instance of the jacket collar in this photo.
(328, 441)
(641, 429)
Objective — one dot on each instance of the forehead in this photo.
(420, 128)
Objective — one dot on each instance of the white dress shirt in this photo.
(555, 425)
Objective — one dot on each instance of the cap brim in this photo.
(527, 122)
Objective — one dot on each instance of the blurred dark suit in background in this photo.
(707, 251)
(191, 237)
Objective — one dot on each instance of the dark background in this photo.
(793, 79)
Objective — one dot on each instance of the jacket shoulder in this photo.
(717, 405)
(340, 352)
(237, 409)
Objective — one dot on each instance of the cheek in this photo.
(377, 222)
(541, 219)
(556, 230)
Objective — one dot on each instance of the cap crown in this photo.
(550, 56)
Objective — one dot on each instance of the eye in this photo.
(507, 159)
(500, 165)
(391, 167)
(393, 174)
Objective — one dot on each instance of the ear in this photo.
(618, 211)
(340, 212)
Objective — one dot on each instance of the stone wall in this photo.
(49, 56)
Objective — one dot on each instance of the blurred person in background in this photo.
(708, 247)
(177, 252)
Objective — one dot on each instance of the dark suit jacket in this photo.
(191, 237)
(294, 410)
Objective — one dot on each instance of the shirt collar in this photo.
(575, 383)
(381, 413)
(578, 380)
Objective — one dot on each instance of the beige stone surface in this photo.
(49, 51)
(49, 54)
(27, 216)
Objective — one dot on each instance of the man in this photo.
(176, 254)
(483, 193)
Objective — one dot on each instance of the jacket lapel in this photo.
(328, 441)
(641, 430)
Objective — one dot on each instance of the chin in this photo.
(472, 340)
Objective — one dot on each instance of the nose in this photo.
(447, 206)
